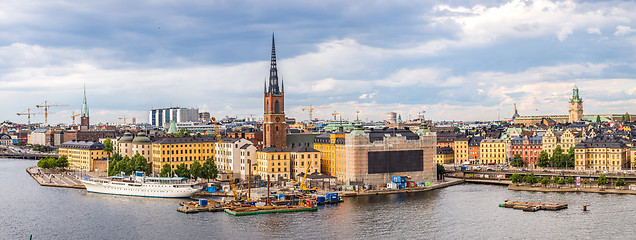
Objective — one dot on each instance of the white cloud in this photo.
(367, 95)
(594, 30)
(623, 31)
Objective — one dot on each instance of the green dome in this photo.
(126, 138)
(141, 138)
(357, 132)
(423, 129)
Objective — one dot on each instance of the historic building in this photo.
(445, 155)
(474, 153)
(86, 156)
(301, 158)
(576, 106)
(492, 151)
(274, 126)
(230, 158)
(178, 150)
(84, 117)
(565, 139)
(528, 148)
(274, 162)
(602, 153)
(332, 154)
(461, 150)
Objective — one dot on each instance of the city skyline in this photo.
(456, 61)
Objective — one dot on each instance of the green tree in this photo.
(530, 178)
(165, 171)
(628, 118)
(46, 162)
(586, 182)
(182, 171)
(209, 169)
(517, 161)
(545, 181)
(620, 182)
(557, 154)
(183, 133)
(62, 162)
(543, 160)
(559, 180)
(196, 170)
(571, 180)
(140, 163)
(515, 178)
(569, 158)
(108, 146)
(440, 171)
(598, 118)
(602, 180)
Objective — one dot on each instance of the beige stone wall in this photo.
(358, 146)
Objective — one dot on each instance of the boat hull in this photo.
(140, 190)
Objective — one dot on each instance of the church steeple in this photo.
(84, 104)
(273, 71)
(84, 119)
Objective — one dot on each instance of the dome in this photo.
(423, 129)
(141, 139)
(357, 132)
(126, 138)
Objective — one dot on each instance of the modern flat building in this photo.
(41, 137)
(602, 153)
(162, 116)
(178, 150)
(204, 116)
(86, 156)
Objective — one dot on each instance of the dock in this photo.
(194, 207)
(242, 211)
(533, 206)
(54, 179)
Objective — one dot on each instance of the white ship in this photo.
(141, 186)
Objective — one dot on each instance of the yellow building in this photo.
(492, 151)
(602, 153)
(275, 163)
(301, 156)
(445, 155)
(461, 150)
(87, 156)
(565, 139)
(178, 150)
(332, 154)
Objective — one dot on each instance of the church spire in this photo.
(84, 104)
(273, 71)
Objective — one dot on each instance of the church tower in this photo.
(576, 106)
(274, 127)
(84, 116)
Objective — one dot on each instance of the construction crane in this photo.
(335, 114)
(219, 140)
(46, 107)
(73, 117)
(302, 187)
(28, 114)
(124, 118)
(311, 111)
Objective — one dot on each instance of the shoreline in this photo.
(515, 187)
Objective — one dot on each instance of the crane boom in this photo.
(46, 109)
(311, 110)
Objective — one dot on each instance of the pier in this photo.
(533, 206)
(54, 179)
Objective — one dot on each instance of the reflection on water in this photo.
(466, 211)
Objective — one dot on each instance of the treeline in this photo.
(206, 170)
(558, 159)
(128, 166)
(532, 179)
(49, 162)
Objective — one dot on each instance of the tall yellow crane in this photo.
(334, 114)
(302, 187)
(311, 111)
(46, 109)
(28, 114)
(73, 117)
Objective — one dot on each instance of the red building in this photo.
(528, 147)
(274, 126)
(473, 148)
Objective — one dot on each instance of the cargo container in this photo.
(203, 202)
(428, 184)
(411, 184)
(320, 199)
(399, 179)
(331, 197)
(392, 185)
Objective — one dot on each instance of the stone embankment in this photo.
(404, 190)
(590, 189)
(54, 178)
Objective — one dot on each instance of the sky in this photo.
(453, 60)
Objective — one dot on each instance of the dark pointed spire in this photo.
(273, 71)
(282, 84)
(265, 85)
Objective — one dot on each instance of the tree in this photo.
(545, 181)
(586, 182)
(62, 162)
(569, 159)
(543, 160)
(559, 180)
(140, 163)
(46, 162)
(602, 180)
(620, 182)
(517, 161)
(182, 171)
(440, 171)
(515, 178)
(557, 154)
(108, 146)
(571, 180)
(166, 170)
(530, 178)
(598, 118)
(183, 133)
(209, 169)
(196, 170)
(627, 117)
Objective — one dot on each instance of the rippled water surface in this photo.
(468, 211)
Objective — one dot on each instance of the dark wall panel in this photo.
(395, 161)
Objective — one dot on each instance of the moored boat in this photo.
(141, 186)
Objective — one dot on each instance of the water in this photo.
(468, 211)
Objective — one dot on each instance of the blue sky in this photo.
(456, 60)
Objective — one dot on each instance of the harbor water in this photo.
(467, 211)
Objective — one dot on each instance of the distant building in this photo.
(177, 150)
(84, 115)
(84, 155)
(332, 154)
(228, 156)
(474, 149)
(41, 137)
(445, 155)
(528, 148)
(564, 139)
(5, 139)
(162, 116)
(204, 116)
(461, 150)
(275, 163)
(602, 153)
(492, 151)
(88, 135)
(301, 157)
(576, 106)
(391, 117)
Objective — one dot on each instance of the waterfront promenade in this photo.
(52, 178)
(584, 189)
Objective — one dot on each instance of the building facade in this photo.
(461, 150)
(492, 151)
(564, 139)
(178, 150)
(332, 154)
(303, 157)
(86, 156)
(602, 153)
(275, 163)
(445, 155)
(228, 156)
(528, 148)
(576, 106)
(274, 125)
(162, 116)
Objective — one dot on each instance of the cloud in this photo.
(595, 30)
(623, 31)
(367, 95)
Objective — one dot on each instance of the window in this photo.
(276, 109)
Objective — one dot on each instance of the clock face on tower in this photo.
(277, 119)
